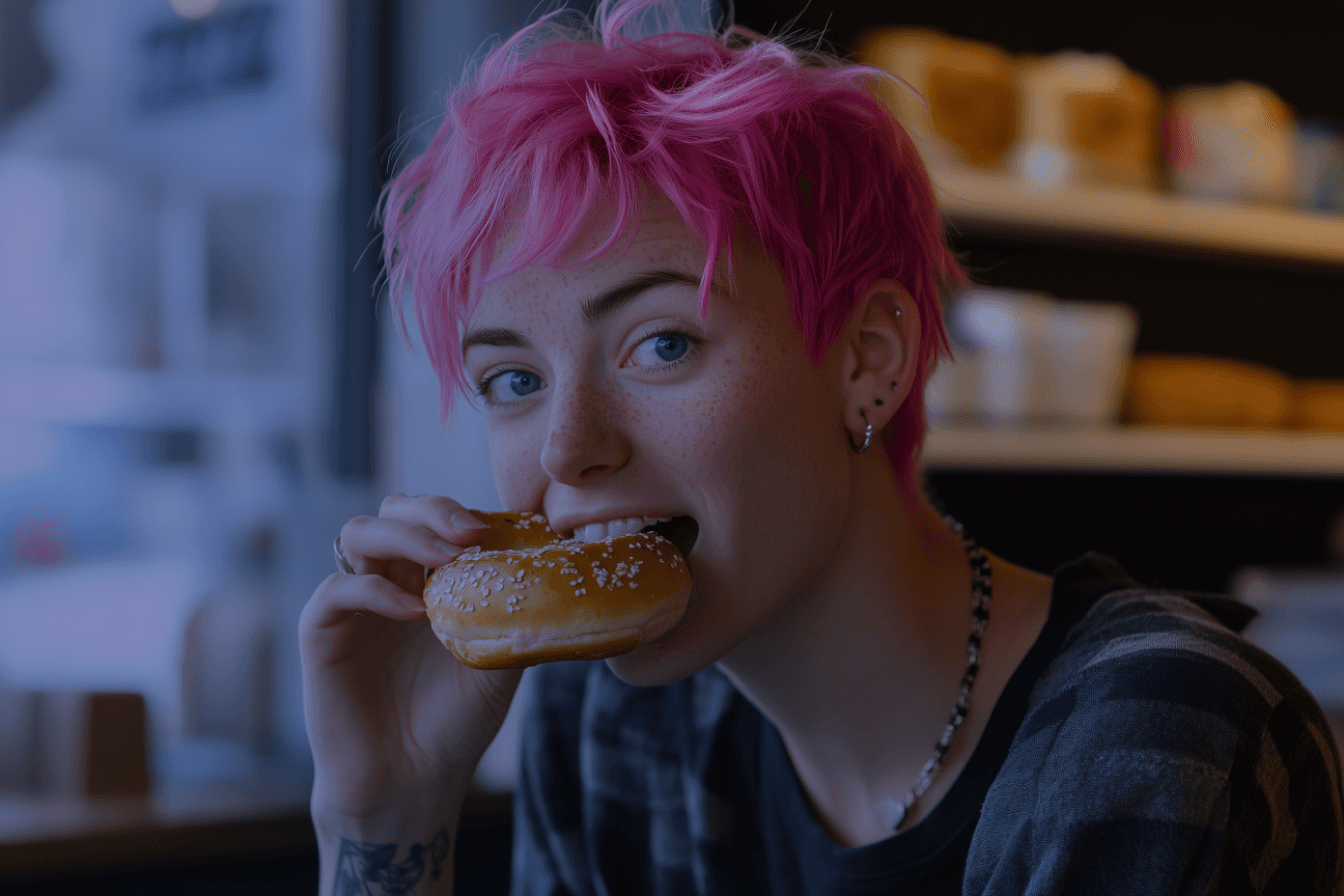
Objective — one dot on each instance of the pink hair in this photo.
(732, 128)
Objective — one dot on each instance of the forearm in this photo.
(402, 852)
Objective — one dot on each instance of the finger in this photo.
(445, 516)
(374, 538)
(341, 596)
(407, 575)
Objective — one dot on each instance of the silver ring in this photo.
(867, 436)
(342, 564)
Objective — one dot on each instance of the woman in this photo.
(697, 276)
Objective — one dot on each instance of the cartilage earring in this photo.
(867, 435)
(893, 386)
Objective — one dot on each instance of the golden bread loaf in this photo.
(968, 85)
(1097, 119)
(1189, 390)
(1319, 405)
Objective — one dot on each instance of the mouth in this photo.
(682, 531)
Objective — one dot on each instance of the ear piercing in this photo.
(868, 428)
(867, 435)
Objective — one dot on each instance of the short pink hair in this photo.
(733, 128)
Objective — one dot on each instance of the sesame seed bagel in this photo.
(527, 597)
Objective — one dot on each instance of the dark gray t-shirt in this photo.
(1140, 747)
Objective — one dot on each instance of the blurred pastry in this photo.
(1235, 142)
(970, 117)
(1319, 405)
(1085, 119)
(1191, 390)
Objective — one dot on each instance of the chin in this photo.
(675, 655)
(651, 665)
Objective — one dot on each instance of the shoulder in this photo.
(1138, 643)
(1162, 746)
(1151, 682)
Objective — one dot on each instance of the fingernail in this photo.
(464, 520)
(444, 547)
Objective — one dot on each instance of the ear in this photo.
(880, 346)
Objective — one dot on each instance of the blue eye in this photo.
(670, 346)
(521, 382)
(508, 385)
(661, 348)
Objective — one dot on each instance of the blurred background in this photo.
(198, 386)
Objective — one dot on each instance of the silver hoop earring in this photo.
(867, 435)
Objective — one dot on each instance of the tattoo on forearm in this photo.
(367, 869)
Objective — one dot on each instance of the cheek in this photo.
(790, 453)
(785, 412)
(774, 451)
(515, 464)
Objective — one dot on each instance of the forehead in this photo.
(657, 238)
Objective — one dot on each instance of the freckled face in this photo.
(651, 410)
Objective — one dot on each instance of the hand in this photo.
(392, 715)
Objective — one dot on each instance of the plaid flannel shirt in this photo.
(1154, 751)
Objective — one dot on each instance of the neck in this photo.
(861, 670)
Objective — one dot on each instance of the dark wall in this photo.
(1186, 532)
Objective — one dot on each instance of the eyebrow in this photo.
(594, 310)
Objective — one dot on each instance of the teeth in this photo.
(627, 526)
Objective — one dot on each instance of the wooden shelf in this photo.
(981, 200)
(49, 836)
(1122, 449)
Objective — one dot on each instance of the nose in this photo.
(586, 436)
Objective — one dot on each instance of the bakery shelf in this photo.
(983, 200)
(1137, 449)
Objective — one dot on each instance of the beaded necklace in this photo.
(893, 812)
